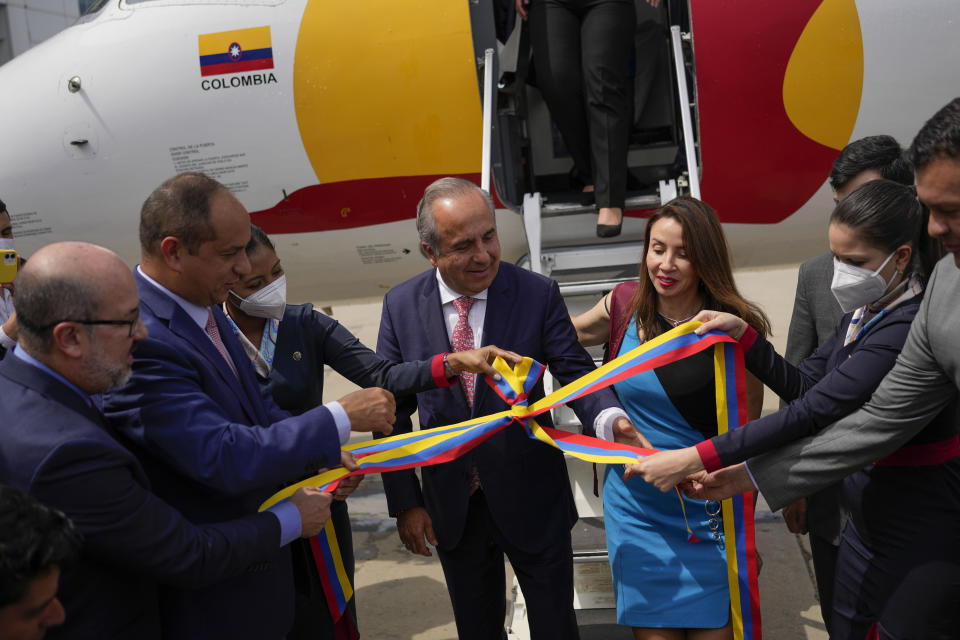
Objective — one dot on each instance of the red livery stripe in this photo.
(236, 67)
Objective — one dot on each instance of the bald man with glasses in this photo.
(77, 341)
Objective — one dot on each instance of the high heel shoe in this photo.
(610, 230)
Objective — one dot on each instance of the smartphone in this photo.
(8, 265)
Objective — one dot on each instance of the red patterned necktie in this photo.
(462, 340)
(214, 332)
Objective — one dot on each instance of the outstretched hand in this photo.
(721, 484)
(313, 505)
(372, 409)
(666, 469)
(479, 360)
(720, 321)
(349, 484)
(625, 433)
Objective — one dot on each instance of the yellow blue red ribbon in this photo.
(333, 575)
(442, 444)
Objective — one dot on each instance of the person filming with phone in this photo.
(10, 263)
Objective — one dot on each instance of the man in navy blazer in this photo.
(523, 506)
(214, 444)
(79, 323)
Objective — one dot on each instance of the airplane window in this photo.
(90, 7)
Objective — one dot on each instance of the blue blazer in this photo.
(57, 448)
(525, 482)
(308, 340)
(215, 447)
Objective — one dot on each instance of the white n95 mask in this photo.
(269, 302)
(6, 244)
(854, 287)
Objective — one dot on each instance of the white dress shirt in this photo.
(6, 310)
(603, 424)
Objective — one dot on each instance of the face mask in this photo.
(854, 287)
(269, 302)
(6, 244)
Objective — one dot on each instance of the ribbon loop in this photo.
(443, 444)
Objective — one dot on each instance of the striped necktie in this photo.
(214, 332)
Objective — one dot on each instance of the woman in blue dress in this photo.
(904, 511)
(668, 587)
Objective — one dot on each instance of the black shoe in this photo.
(609, 230)
(587, 198)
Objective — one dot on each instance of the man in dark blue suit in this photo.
(214, 444)
(79, 322)
(510, 495)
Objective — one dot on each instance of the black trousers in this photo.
(582, 50)
(824, 555)
(476, 581)
(899, 560)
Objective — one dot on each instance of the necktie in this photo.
(214, 332)
(462, 340)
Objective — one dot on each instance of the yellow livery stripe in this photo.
(252, 38)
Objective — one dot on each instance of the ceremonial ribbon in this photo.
(443, 444)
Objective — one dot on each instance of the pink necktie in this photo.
(462, 340)
(214, 332)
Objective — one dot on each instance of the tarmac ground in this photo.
(403, 596)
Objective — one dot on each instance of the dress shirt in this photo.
(6, 341)
(6, 310)
(603, 424)
(199, 315)
(6, 305)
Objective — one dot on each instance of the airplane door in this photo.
(529, 152)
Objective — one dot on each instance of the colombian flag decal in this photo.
(235, 51)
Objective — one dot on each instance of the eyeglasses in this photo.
(131, 323)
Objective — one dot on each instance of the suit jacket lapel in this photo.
(435, 330)
(165, 309)
(245, 373)
(500, 304)
(20, 372)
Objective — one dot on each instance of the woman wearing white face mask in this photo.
(289, 346)
(901, 510)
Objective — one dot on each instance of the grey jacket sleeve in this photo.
(914, 392)
(802, 337)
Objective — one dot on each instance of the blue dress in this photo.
(661, 579)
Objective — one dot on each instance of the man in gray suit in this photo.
(924, 380)
(816, 314)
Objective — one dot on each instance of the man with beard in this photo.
(79, 322)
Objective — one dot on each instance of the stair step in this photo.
(556, 209)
